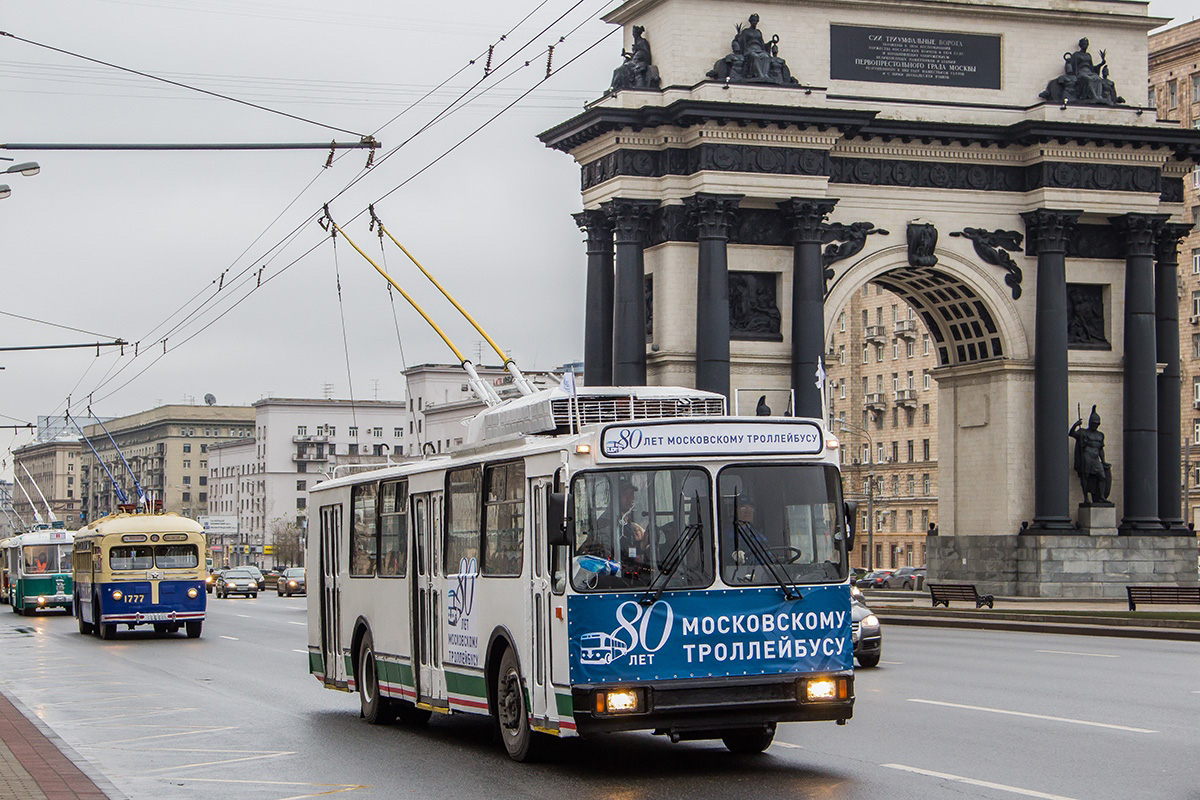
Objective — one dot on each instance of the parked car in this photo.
(866, 633)
(291, 582)
(856, 574)
(236, 581)
(874, 580)
(905, 578)
(259, 578)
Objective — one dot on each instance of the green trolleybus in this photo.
(621, 559)
(39, 569)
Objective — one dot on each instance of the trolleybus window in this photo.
(780, 517)
(364, 530)
(130, 557)
(393, 529)
(44, 558)
(462, 512)
(176, 556)
(504, 519)
(631, 526)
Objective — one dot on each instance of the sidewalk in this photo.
(1041, 615)
(36, 765)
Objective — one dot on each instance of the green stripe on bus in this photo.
(316, 664)
(566, 707)
(394, 672)
(472, 685)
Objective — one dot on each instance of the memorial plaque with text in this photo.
(902, 55)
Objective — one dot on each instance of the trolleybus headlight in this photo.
(620, 701)
(824, 689)
(192, 592)
(41, 600)
(117, 594)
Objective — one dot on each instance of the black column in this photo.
(808, 298)
(713, 215)
(1166, 312)
(631, 222)
(1140, 389)
(598, 303)
(1050, 229)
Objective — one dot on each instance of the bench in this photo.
(1178, 595)
(945, 592)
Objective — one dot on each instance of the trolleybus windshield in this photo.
(46, 558)
(781, 519)
(627, 523)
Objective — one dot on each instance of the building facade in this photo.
(882, 404)
(1174, 91)
(167, 448)
(56, 469)
(9, 523)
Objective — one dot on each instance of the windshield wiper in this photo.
(670, 563)
(766, 557)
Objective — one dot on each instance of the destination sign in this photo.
(669, 439)
(903, 55)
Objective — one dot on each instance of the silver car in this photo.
(291, 582)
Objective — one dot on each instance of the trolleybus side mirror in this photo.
(559, 527)
(851, 511)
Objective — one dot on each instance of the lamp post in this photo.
(846, 426)
(24, 168)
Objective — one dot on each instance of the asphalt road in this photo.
(949, 713)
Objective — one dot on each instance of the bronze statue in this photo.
(922, 240)
(1095, 474)
(636, 72)
(1083, 81)
(753, 59)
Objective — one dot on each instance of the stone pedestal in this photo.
(1097, 520)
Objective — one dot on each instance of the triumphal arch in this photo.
(752, 165)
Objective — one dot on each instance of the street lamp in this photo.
(24, 168)
(846, 426)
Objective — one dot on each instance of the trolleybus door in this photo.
(427, 603)
(541, 692)
(330, 593)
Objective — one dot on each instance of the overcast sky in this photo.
(116, 243)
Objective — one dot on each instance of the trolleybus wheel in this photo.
(376, 709)
(750, 741)
(107, 630)
(194, 626)
(520, 740)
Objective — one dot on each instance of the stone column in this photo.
(598, 303)
(1051, 229)
(1166, 311)
(1140, 390)
(713, 215)
(631, 224)
(805, 217)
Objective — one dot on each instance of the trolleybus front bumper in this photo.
(131, 603)
(681, 707)
(47, 600)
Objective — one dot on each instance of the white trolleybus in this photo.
(625, 559)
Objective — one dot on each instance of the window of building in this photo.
(842, 322)
(879, 352)
(925, 379)
(1151, 100)
(895, 416)
(204, 463)
(908, 525)
(895, 349)
(377, 432)
(895, 484)
(187, 463)
(302, 430)
(910, 348)
(301, 486)
(1196, 87)
(925, 413)
(364, 531)
(208, 432)
(912, 487)
(204, 480)
(842, 354)
(865, 318)
(878, 314)
(301, 503)
(70, 494)
(879, 453)
(187, 497)
(187, 480)
(925, 482)
(1196, 303)
(925, 344)
(895, 383)
(1172, 93)
(924, 519)
(187, 448)
(910, 450)
(353, 431)
(924, 449)
(397, 433)
(1196, 250)
(865, 354)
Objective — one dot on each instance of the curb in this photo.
(1177, 630)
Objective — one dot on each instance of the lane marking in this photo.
(243, 616)
(1032, 716)
(789, 745)
(231, 638)
(110, 699)
(1073, 653)
(331, 788)
(258, 754)
(973, 782)
(140, 714)
(293, 622)
(893, 663)
(305, 652)
(208, 729)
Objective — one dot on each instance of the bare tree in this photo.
(285, 536)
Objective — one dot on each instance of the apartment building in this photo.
(1174, 90)
(882, 404)
(55, 467)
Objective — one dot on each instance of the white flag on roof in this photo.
(568, 383)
